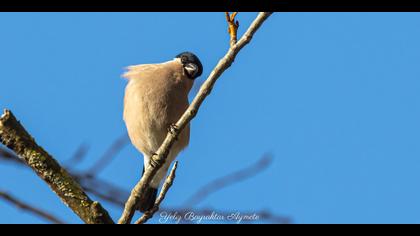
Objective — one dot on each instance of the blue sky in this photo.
(332, 96)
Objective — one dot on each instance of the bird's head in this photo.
(192, 65)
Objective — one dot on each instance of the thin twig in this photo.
(78, 156)
(116, 195)
(26, 207)
(109, 154)
(9, 156)
(229, 179)
(168, 183)
(232, 27)
(103, 189)
(159, 159)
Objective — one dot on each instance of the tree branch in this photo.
(159, 159)
(232, 27)
(168, 183)
(110, 153)
(116, 195)
(10, 157)
(26, 207)
(229, 179)
(78, 156)
(15, 137)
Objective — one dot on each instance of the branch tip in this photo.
(232, 27)
(137, 192)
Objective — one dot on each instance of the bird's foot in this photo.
(232, 27)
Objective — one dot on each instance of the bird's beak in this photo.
(191, 69)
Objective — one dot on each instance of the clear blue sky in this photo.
(333, 96)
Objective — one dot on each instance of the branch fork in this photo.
(138, 191)
(16, 138)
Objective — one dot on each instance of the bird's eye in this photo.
(184, 59)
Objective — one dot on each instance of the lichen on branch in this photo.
(14, 136)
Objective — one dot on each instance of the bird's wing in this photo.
(135, 70)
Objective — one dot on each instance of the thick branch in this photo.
(16, 138)
(159, 159)
(116, 195)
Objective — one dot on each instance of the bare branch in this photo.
(9, 156)
(116, 195)
(230, 179)
(14, 136)
(115, 200)
(26, 207)
(168, 183)
(159, 159)
(77, 157)
(110, 153)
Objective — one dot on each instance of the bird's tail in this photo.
(149, 199)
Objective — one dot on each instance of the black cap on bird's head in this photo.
(192, 65)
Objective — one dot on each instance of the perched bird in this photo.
(155, 98)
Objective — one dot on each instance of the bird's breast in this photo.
(151, 104)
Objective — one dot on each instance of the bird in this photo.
(156, 96)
